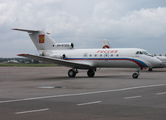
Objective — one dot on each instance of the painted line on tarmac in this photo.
(161, 93)
(32, 111)
(132, 97)
(89, 103)
(78, 94)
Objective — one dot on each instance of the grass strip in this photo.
(26, 65)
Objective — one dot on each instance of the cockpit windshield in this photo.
(143, 52)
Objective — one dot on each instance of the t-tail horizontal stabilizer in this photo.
(40, 38)
(25, 30)
(43, 41)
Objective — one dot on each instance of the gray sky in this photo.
(125, 23)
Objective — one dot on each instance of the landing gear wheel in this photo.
(71, 73)
(91, 73)
(135, 75)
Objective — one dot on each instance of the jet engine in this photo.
(59, 56)
(53, 55)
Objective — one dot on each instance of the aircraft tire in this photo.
(91, 73)
(135, 75)
(71, 73)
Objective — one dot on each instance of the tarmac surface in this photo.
(47, 93)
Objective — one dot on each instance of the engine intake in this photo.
(63, 56)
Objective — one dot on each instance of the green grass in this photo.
(26, 65)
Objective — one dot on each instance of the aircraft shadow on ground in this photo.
(57, 78)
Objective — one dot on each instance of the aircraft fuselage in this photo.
(117, 57)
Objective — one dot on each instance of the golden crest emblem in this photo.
(41, 38)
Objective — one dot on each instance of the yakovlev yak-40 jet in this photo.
(90, 59)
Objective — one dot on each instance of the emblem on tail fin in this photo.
(41, 38)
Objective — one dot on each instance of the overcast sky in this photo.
(124, 23)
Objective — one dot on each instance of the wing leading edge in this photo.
(57, 61)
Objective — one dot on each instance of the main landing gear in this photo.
(74, 71)
(91, 72)
(135, 75)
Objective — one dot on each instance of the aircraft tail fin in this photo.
(40, 38)
(105, 44)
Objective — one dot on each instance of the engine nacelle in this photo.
(64, 45)
(59, 56)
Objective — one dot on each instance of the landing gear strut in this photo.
(135, 75)
(72, 72)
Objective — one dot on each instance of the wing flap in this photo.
(57, 61)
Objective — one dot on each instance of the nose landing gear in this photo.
(135, 75)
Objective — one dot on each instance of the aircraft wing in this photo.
(67, 63)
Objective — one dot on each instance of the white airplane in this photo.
(90, 59)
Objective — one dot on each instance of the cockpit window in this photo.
(143, 52)
(137, 52)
